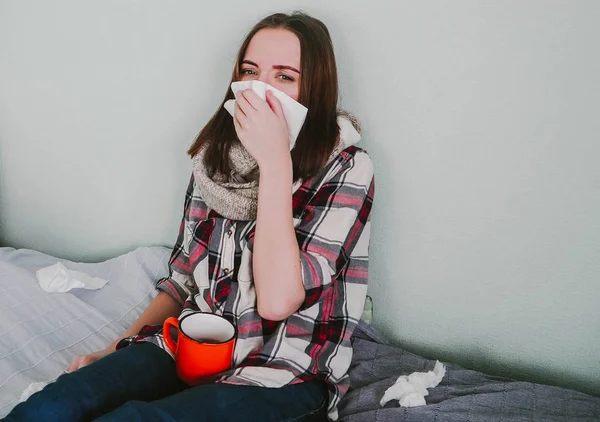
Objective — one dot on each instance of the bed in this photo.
(40, 333)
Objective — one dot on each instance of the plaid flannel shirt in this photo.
(211, 271)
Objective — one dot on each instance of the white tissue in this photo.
(411, 390)
(58, 279)
(294, 112)
(31, 390)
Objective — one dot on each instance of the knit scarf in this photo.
(235, 195)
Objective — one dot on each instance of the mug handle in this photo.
(170, 322)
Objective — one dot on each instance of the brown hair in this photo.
(318, 93)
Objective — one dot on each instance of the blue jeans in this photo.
(139, 383)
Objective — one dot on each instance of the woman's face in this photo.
(273, 57)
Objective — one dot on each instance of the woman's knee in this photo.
(69, 398)
(46, 407)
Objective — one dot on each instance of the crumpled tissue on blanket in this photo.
(57, 278)
(32, 389)
(410, 390)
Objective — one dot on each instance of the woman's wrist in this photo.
(277, 169)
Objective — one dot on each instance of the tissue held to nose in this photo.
(410, 390)
(294, 112)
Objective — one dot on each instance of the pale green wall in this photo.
(482, 118)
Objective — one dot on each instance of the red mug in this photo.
(204, 345)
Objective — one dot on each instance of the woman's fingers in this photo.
(244, 105)
(239, 118)
(249, 103)
(262, 130)
(252, 99)
(75, 365)
(84, 360)
(275, 105)
(238, 127)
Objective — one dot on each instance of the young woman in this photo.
(275, 241)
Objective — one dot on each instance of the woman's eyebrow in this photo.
(276, 66)
(281, 66)
(250, 62)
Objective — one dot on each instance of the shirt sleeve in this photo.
(180, 282)
(333, 223)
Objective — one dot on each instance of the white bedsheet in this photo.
(40, 333)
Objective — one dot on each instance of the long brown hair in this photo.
(318, 93)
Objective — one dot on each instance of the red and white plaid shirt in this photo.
(211, 271)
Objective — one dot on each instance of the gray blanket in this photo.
(462, 396)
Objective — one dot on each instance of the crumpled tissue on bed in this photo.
(58, 279)
(31, 390)
(410, 390)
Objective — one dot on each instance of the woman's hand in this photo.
(85, 360)
(161, 307)
(262, 129)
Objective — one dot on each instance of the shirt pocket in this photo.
(198, 238)
(246, 294)
(199, 242)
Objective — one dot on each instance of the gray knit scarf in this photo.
(235, 196)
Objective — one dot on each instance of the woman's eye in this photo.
(248, 72)
(286, 78)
